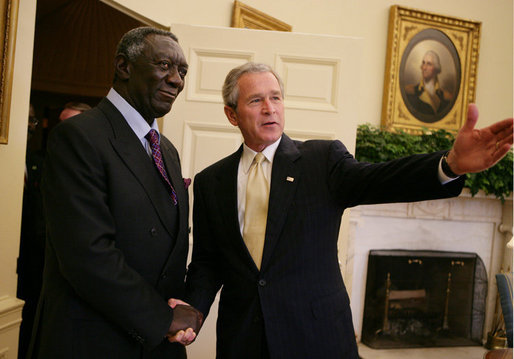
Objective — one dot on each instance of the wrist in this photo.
(445, 166)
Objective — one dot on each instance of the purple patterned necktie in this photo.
(153, 138)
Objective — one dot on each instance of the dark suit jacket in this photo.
(32, 247)
(298, 297)
(116, 247)
(32, 238)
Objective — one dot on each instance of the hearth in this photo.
(424, 299)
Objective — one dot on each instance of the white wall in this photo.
(12, 162)
(369, 20)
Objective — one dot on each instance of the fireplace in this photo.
(419, 298)
(464, 223)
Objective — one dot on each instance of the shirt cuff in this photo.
(443, 178)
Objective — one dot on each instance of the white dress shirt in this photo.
(242, 174)
(134, 119)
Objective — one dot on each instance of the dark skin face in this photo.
(152, 82)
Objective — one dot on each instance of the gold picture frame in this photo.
(431, 70)
(244, 16)
(8, 23)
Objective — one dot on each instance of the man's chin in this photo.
(162, 110)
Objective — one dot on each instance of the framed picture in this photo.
(431, 70)
(247, 17)
(8, 21)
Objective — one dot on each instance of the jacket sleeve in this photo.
(408, 179)
(203, 278)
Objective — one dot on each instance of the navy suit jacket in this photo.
(298, 298)
(116, 246)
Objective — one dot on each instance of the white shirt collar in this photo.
(249, 154)
(136, 122)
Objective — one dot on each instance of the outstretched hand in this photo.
(186, 323)
(475, 150)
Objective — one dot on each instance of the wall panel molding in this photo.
(210, 66)
(10, 320)
(199, 141)
(310, 83)
(10, 313)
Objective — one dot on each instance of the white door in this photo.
(321, 78)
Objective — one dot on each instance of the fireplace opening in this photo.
(424, 299)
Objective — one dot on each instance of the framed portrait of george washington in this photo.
(431, 70)
(8, 23)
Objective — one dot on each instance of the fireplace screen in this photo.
(424, 299)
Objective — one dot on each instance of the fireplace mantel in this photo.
(465, 223)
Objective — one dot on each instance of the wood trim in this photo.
(247, 17)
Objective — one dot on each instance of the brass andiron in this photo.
(385, 323)
(446, 302)
(497, 337)
(445, 326)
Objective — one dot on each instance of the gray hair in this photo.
(231, 87)
(77, 106)
(435, 57)
(132, 43)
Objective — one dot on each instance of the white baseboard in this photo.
(10, 319)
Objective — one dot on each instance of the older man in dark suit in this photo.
(117, 218)
(282, 292)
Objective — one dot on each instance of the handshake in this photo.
(186, 323)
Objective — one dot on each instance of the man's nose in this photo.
(268, 106)
(174, 77)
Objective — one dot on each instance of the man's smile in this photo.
(169, 94)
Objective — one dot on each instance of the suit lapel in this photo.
(175, 176)
(177, 181)
(226, 187)
(132, 153)
(284, 181)
(285, 176)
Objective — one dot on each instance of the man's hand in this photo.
(476, 150)
(186, 323)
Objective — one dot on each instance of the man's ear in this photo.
(231, 115)
(122, 67)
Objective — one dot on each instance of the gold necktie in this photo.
(256, 210)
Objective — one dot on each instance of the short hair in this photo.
(231, 87)
(78, 106)
(132, 43)
(435, 57)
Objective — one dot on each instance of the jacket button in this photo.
(164, 275)
(262, 282)
(153, 232)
